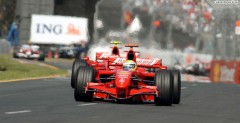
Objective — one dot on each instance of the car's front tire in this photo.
(84, 74)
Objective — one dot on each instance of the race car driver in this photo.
(129, 65)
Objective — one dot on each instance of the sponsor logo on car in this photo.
(139, 61)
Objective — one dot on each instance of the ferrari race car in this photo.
(125, 79)
(99, 63)
(29, 52)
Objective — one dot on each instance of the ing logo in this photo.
(73, 30)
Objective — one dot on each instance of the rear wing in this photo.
(115, 42)
(141, 62)
(106, 55)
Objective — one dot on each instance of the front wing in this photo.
(103, 91)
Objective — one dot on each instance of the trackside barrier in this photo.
(5, 47)
(192, 78)
(50, 54)
(56, 55)
(225, 71)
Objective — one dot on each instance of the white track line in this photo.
(87, 104)
(194, 84)
(9, 95)
(183, 88)
(18, 112)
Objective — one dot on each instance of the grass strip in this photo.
(17, 70)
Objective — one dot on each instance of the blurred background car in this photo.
(196, 69)
(67, 52)
(29, 52)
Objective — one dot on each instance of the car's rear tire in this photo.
(41, 58)
(84, 74)
(76, 64)
(164, 83)
(15, 50)
(196, 69)
(15, 55)
(176, 86)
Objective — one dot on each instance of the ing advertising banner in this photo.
(50, 29)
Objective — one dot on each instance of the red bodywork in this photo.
(102, 58)
(112, 82)
(122, 84)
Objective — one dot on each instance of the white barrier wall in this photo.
(48, 29)
(5, 47)
(169, 58)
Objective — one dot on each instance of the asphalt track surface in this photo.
(51, 101)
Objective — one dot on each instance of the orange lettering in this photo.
(72, 30)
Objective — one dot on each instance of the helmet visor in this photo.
(128, 66)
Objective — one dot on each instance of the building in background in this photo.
(24, 10)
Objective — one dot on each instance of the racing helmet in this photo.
(129, 65)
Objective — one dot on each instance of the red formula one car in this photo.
(99, 63)
(126, 79)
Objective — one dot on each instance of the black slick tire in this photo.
(76, 64)
(164, 83)
(85, 74)
(176, 86)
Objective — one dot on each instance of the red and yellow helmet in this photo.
(129, 65)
